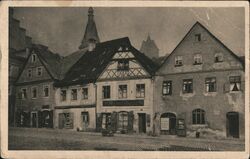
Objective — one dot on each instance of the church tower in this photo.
(149, 48)
(90, 34)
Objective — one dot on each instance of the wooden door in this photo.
(61, 120)
(142, 122)
(233, 124)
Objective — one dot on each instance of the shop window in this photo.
(106, 92)
(187, 86)
(198, 116)
(167, 88)
(63, 95)
(178, 61)
(122, 91)
(85, 93)
(34, 92)
(140, 90)
(73, 94)
(123, 65)
(235, 83)
(218, 57)
(197, 59)
(29, 74)
(210, 84)
(39, 71)
(46, 91)
(197, 37)
(123, 120)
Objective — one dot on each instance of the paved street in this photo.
(54, 139)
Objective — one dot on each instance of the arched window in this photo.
(198, 116)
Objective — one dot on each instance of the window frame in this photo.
(106, 92)
(198, 116)
(22, 93)
(183, 86)
(74, 98)
(29, 73)
(32, 95)
(44, 95)
(178, 61)
(123, 92)
(197, 37)
(168, 85)
(235, 80)
(61, 97)
(217, 59)
(123, 65)
(33, 58)
(139, 92)
(208, 82)
(85, 96)
(197, 56)
(37, 71)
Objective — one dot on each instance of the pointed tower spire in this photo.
(90, 34)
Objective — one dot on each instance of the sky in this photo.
(62, 29)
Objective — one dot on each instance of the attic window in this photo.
(120, 48)
(33, 58)
(178, 61)
(39, 71)
(123, 65)
(218, 57)
(197, 37)
(93, 69)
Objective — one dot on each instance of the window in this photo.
(63, 95)
(23, 93)
(187, 86)
(34, 92)
(85, 118)
(235, 83)
(39, 71)
(123, 65)
(73, 94)
(198, 116)
(123, 120)
(46, 91)
(197, 37)
(210, 84)
(29, 74)
(178, 61)
(167, 88)
(197, 59)
(33, 58)
(218, 57)
(122, 91)
(140, 90)
(84, 93)
(106, 92)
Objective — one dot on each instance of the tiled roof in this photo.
(91, 64)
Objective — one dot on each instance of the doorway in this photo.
(85, 120)
(34, 120)
(142, 122)
(168, 123)
(233, 124)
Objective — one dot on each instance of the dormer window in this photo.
(218, 57)
(197, 59)
(33, 58)
(123, 65)
(197, 37)
(178, 61)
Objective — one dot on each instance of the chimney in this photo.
(91, 44)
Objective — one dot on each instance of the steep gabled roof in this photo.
(202, 26)
(88, 68)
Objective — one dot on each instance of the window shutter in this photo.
(148, 120)
(51, 119)
(226, 87)
(99, 122)
(40, 119)
(114, 121)
(130, 121)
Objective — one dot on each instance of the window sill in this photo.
(178, 65)
(197, 64)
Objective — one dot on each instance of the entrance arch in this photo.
(233, 124)
(168, 123)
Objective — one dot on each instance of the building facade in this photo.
(202, 84)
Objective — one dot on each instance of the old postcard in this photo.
(124, 79)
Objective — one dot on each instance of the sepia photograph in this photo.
(105, 78)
